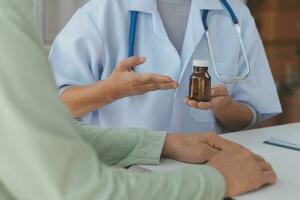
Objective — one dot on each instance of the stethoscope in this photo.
(132, 33)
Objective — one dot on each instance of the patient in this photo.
(44, 155)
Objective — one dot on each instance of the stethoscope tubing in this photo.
(132, 34)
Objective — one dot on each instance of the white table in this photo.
(286, 162)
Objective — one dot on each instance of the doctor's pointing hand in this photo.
(128, 83)
(123, 82)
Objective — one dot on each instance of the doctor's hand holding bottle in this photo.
(123, 82)
(230, 114)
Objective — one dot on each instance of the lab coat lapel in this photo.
(193, 36)
(195, 30)
(150, 7)
(142, 6)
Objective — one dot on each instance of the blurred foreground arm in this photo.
(42, 154)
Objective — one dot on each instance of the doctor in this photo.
(102, 86)
(54, 159)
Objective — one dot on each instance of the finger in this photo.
(167, 86)
(191, 103)
(216, 141)
(148, 78)
(265, 166)
(156, 86)
(186, 100)
(198, 105)
(259, 158)
(209, 152)
(218, 91)
(129, 63)
(204, 105)
(269, 177)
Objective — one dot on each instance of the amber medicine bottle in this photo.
(200, 82)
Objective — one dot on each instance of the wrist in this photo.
(222, 180)
(112, 92)
(167, 151)
(220, 110)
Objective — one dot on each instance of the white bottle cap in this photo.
(200, 63)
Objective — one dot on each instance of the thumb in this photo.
(129, 63)
(217, 142)
(219, 90)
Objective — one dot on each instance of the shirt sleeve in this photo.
(124, 147)
(255, 119)
(77, 55)
(4, 194)
(258, 90)
(42, 153)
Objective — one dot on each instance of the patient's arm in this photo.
(42, 154)
(128, 146)
(124, 147)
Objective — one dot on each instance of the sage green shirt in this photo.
(44, 155)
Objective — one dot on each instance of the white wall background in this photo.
(54, 14)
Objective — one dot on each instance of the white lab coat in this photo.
(96, 39)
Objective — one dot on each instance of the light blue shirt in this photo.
(96, 39)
